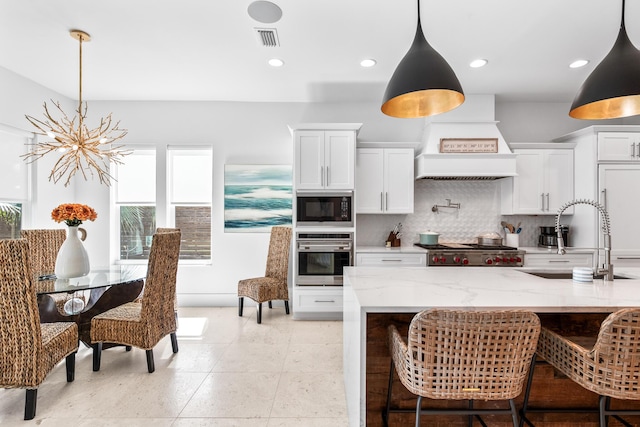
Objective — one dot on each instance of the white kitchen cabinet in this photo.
(391, 259)
(317, 302)
(324, 159)
(619, 146)
(552, 260)
(384, 180)
(544, 183)
(620, 197)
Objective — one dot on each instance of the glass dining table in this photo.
(79, 299)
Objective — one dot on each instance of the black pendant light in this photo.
(613, 88)
(423, 84)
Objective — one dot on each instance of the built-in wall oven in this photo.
(324, 209)
(322, 258)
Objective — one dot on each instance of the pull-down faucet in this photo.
(607, 268)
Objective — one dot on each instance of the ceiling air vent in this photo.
(267, 37)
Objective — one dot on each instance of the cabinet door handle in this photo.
(327, 176)
(604, 198)
(386, 201)
(381, 202)
(322, 176)
(558, 261)
(324, 300)
(547, 202)
(633, 150)
(628, 257)
(542, 200)
(391, 260)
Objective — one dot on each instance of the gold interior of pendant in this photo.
(613, 108)
(423, 103)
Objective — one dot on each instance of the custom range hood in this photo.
(465, 144)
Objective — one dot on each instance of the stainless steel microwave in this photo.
(324, 208)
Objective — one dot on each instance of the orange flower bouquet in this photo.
(73, 214)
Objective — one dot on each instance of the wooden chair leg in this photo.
(240, 305)
(286, 306)
(97, 353)
(30, 403)
(260, 312)
(174, 342)
(150, 363)
(70, 363)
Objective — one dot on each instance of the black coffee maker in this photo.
(549, 238)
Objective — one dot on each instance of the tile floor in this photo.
(229, 371)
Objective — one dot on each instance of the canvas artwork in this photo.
(257, 197)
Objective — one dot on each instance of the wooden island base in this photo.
(549, 389)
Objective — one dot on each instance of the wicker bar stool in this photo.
(609, 368)
(463, 355)
(273, 286)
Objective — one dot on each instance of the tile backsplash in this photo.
(479, 213)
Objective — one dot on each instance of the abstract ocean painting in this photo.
(257, 197)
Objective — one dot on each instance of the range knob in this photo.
(488, 261)
(443, 260)
(518, 259)
(512, 259)
(497, 259)
(456, 259)
(465, 261)
(505, 259)
(435, 259)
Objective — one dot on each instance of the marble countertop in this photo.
(411, 289)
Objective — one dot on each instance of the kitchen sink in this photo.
(567, 275)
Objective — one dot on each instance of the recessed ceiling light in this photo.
(367, 63)
(265, 12)
(275, 62)
(477, 63)
(578, 63)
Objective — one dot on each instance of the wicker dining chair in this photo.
(463, 355)
(610, 367)
(144, 324)
(29, 350)
(273, 285)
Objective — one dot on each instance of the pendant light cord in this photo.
(622, 27)
(80, 38)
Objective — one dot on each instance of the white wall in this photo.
(240, 133)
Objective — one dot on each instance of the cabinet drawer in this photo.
(566, 261)
(318, 300)
(391, 260)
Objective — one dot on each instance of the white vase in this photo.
(72, 260)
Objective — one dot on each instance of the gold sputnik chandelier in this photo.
(86, 150)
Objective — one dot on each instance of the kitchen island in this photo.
(375, 297)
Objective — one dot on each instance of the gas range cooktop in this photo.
(473, 255)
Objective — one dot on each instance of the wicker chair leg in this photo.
(174, 342)
(127, 348)
(270, 306)
(385, 412)
(240, 306)
(418, 406)
(286, 306)
(97, 353)
(602, 406)
(30, 403)
(70, 363)
(527, 392)
(514, 412)
(150, 363)
(259, 312)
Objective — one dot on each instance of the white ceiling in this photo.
(208, 50)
